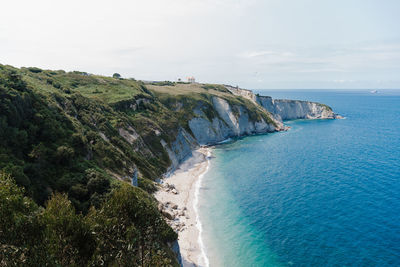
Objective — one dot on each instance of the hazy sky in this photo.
(250, 43)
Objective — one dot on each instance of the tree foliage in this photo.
(63, 137)
(49, 140)
(126, 230)
(116, 75)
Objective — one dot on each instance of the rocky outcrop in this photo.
(284, 109)
(236, 120)
(180, 149)
(130, 135)
(248, 94)
(228, 123)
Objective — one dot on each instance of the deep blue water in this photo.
(324, 193)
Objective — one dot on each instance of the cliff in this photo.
(79, 133)
(285, 109)
(210, 114)
(232, 120)
(227, 124)
(126, 128)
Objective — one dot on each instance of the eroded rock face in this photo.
(224, 110)
(228, 123)
(235, 120)
(248, 94)
(181, 148)
(284, 109)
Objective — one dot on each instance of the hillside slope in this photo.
(83, 134)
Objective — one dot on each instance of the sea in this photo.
(324, 193)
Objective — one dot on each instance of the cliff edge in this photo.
(211, 113)
(285, 109)
(84, 134)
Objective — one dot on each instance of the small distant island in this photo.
(80, 155)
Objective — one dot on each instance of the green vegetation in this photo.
(163, 83)
(71, 141)
(58, 136)
(52, 140)
(116, 75)
(126, 230)
(325, 106)
(183, 99)
(106, 89)
(216, 87)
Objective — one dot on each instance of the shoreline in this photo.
(178, 201)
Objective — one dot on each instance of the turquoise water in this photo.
(325, 193)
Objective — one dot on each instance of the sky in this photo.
(256, 44)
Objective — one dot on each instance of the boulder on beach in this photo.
(168, 215)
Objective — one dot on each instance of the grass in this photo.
(106, 89)
(184, 98)
(325, 106)
(189, 89)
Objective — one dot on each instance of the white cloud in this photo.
(262, 53)
(215, 40)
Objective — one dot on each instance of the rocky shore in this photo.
(178, 203)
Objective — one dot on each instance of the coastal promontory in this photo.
(80, 154)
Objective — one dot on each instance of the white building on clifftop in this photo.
(191, 79)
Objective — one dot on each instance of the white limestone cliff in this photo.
(284, 109)
(235, 121)
(227, 124)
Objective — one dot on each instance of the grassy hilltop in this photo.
(69, 144)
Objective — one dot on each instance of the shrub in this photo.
(78, 191)
(147, 185)
(98, 184)
(68, 236)
(18, 173)
(21, 234)
(34, 69)
(64, 154)
(131, 230)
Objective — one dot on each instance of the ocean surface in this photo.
(324, 193)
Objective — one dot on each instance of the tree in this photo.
(68, 237)
(129, 230)
(98, 184)
(21, 234)
(64, 154)
(126, 230)
(116, 75)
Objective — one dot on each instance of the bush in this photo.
(98, 184)
(64, 154)
(34, 69)
(68, 236)
(147, 185)
(130, 217)
(15, 211)
(125, 230)
(164, 83)
(18, 173)
(21, 234)
(79, 192)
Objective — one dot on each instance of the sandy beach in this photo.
(178, 197)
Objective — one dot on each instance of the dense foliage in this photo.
(66, 142)
(61, 133)
(126, 230)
